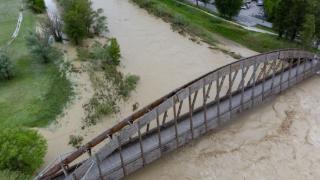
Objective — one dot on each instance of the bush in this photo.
(109, 54)
(13, 175)
(6, 67)
(128, 85)
(179, 22)
(114, 52)
(75, 141)
(229, 8)
(41, 48)
(81, 21)
(21, 149)
(37, 6)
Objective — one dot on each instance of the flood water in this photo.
(52, 7)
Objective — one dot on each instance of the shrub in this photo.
(37, 6)
(81, 21)
(99, 24)
(21, 149)
(179, 22)
(99, 52)
(229, 8)
(128, 85)
(75, 141)
(114, 52)
(6, 67)
(13, 175)
(41, 48)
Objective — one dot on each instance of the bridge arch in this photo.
(184, 114)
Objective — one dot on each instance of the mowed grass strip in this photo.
(38, 93)
(198, 23)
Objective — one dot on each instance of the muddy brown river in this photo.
(277, 140)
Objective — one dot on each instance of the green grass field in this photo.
(38, 93)
(9, 11)
(203, 25)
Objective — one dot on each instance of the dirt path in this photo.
(162, 58)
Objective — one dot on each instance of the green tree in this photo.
(41, 48)
(6, 67)
(114, 52)
(229, 8)
(21, 149)
(289, 17)
(307, 35)
(75, 19)
(82, 21)
(270, 7)
(37, 6)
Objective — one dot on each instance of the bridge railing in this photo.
(210, 89)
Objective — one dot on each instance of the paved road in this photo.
(245, 17)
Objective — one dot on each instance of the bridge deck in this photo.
(111, 167)
(141, 138)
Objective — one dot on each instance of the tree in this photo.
(41, 48)
(289, 17)
(80, 20)
(114, 52)
(308, 30)
(53, 26)
(229, 8)
(37, 6)
(21, 149)
(6, 67)
(75, 21)
(270, 7)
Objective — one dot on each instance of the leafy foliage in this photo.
(41, 48)
(114, 52)
(111, 86)
(99, 24)
(75, 141)
(270, 7)
(308, 30)
(21, 149)
(228, 8)
(298, 20)
(37, 6)
(6, 67)
(13, 175)
(82, 21)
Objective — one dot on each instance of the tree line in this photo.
(296, 20)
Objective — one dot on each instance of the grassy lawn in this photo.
(8, 18)
(203, 25)
(38, 93)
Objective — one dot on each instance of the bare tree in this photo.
(53, 25)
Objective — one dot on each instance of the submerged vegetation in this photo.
(111, 86)
(197, 23)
